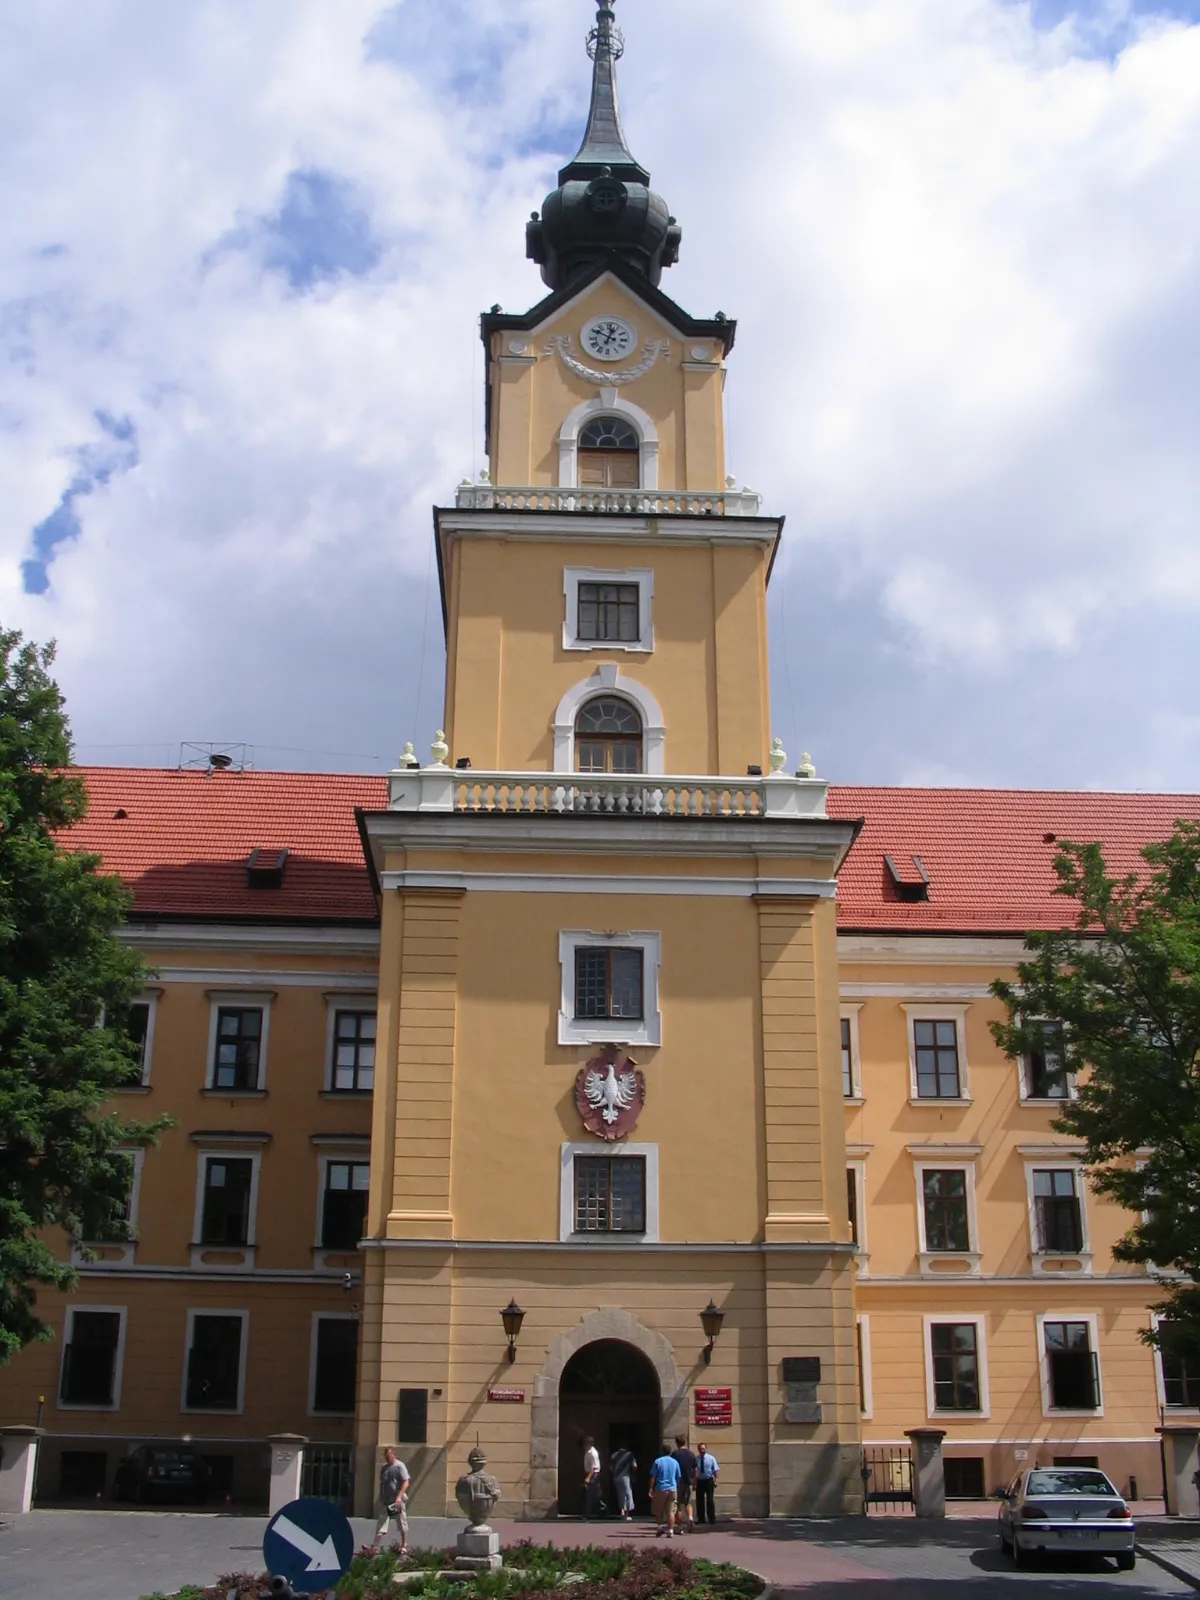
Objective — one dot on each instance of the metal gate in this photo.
(328, 1474)
(887, 1479)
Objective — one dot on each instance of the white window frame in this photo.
(1093, 1322)
(1160, 1387)
(859, 1169)
(150, 999)
(207, 1153)
(243, 1000)
(973, 1255)
(360, 1155)
(566, 1195)
(849, 1013)
(609, 678)
(918, 1012)
(128, 1247)
(867, 1400)
(1039, 1257)
(979, 1321)
(118, 1360)
(243, 1343)
(642, 576)
(317, 1318)
(1027, 1099)
(367, 1004)
(609, 402)
(623, 1030)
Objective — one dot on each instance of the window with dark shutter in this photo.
(89, 1368)
(1180, 1368)
(344, 1204)
(335, 1365)
(214, 1363)
(1074, 1370)
(413, 1420)
(225, 1218)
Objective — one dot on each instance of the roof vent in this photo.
(264, 868)
(909, 882)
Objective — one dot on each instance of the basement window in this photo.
(264, 868)
(909, 880)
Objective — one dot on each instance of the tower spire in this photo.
(603, 209)
(604, 139)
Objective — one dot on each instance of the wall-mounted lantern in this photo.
(711, 1319)
(512, 1317)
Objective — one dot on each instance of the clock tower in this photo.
(608, 1121)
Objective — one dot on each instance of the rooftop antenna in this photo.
(196, 756)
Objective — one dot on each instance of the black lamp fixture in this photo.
(462, 764)
(512, 1317)
(711, 1319)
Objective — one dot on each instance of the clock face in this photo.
(609, 338)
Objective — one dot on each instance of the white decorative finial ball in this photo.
(439, 749)
(777, 759)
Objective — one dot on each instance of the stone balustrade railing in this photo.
(603, 794)
(643, 502)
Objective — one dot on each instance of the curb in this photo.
(1184, 1574)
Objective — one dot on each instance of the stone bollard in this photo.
(18, 1467)
(287, 1464)
(1181, 1457)
(929, 1471)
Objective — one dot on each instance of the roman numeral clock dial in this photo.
(609, 338)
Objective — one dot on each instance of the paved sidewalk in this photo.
(1174, 1545)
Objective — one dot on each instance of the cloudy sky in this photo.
(246, 243)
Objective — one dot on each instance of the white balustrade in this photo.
(643, 502)
(603, 794)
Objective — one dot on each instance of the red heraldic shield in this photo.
(610, 1093)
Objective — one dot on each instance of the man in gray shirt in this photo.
(393, 1490)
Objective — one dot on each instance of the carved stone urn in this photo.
(477, 1492)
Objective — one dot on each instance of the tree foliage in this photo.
(66, 983)
(1125, 984)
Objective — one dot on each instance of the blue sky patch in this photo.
(1106, 26)
(96, 465)
(321, 230)
(449, 47)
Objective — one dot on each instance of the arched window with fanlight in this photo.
(608, 736)
(609, 454)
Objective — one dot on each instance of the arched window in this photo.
(608, 737)
(608, 454)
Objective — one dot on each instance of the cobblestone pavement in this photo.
(122, 1555)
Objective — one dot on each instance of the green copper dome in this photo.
(603, 206)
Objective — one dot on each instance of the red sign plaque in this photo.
(714, 1408)
(507, 1397)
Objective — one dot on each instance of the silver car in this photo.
(1066, 1509)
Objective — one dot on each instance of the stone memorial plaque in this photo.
(802, 1411)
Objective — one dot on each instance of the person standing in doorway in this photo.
(591, 1478)
(393, 1493)
(623, 1465)
(707, 1473)
(664, 1488)
(687, 1483)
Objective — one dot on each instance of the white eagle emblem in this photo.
(610, 1093)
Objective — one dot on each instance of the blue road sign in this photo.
(310, 1543)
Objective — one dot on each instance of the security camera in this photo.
(347, 1281)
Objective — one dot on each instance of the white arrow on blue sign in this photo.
(310, 1543)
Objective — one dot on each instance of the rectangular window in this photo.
(238, 1048)
(137, 1026)
(413, 1421)
(1045, 1065)
(1056, 1207)
(964, 1478)
(608, 984)
(610, 1194)
(1073, 1369)
(353, 1051)
(609, 611)
(335, 1361)
(214, 1363)
(944, 1196)
(89, 1367)
(936, 1047)
(955, 1352)
(1180, 1370)
(225, 1218)
(344, 1204)
(852, 1202)
(847, 1059)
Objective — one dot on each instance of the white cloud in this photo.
(961, 248)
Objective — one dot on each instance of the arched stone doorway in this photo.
(609, 1392)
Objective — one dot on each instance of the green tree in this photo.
(1124, 984)
(62, 971)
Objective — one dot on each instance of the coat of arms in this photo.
(610, 1093)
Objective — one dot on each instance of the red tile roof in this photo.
(183, 841)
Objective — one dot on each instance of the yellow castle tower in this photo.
(608, 1160)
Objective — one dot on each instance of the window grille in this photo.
(610, 1194)
(608, 984)
(609, 611)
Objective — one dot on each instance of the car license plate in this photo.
(1079, 1533)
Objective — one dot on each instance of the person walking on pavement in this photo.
(664, 1488)
(687, 1483)
(393, 1492)
(707, 1473)
(623, 1465)
(591, 1478)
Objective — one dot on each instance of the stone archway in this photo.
(609, 1322)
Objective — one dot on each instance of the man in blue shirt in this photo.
(664, 1488)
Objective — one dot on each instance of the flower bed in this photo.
(530, 1572)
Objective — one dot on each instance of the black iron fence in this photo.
(328, 1474)
(887, 1477)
